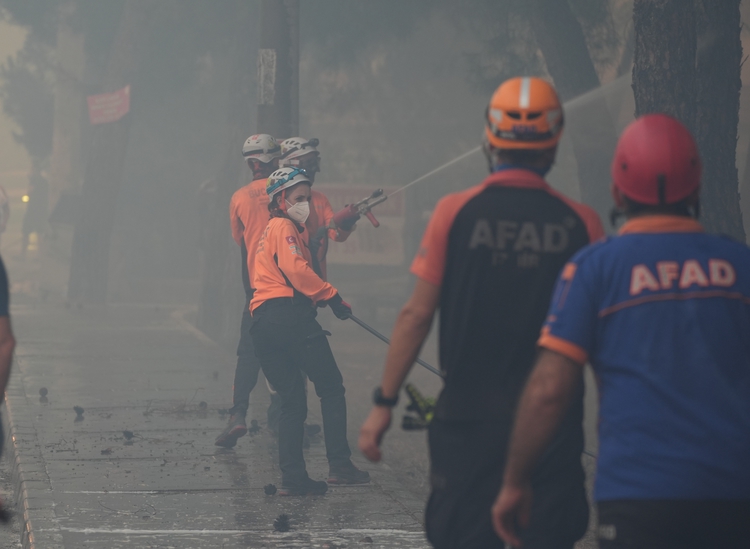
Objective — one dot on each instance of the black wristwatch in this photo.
(380, 400)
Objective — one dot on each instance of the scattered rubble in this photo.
(281, 524)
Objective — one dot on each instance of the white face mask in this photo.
(299, 211)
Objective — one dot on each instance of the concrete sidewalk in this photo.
(85, 482)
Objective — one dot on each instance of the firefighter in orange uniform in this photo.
(298, 152)
(248, 217)
(289, 342)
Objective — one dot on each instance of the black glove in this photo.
(340, 308)
(348, 223)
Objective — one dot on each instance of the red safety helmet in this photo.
(656, 161)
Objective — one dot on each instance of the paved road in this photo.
(144, 369)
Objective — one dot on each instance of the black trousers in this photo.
(674, 524)
(467, 459)
(247, 371)
(289, 342)
(248, 366)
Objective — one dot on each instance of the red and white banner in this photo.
(109, 107)
(368, 245)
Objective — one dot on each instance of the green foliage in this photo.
(340, 30)
(26, 94)
(507, 46)
(343, 28)
(598, 26)
(98, 22)
(39, 16)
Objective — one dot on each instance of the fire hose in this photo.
(381, 337)
(424, 407)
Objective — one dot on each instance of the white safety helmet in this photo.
(284, 178)
(261, 147)
(294, 147)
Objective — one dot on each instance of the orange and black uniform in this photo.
(282, 266)
(248, 217)
(495, 251)
(289, 342)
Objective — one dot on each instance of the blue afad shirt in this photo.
(662, 313)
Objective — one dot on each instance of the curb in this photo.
(29, 475)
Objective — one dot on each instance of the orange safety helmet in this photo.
(524, 113)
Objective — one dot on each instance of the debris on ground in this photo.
(203, 405)
(43, 391)
(128, 434)
(269, 489)
(281, 524)
(254, 427)
(79, 411)
(5, 514)
(106, 451)
(366, 539)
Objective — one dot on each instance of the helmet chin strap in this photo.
(283, 201)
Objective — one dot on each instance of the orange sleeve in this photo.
(429, 264)
(590, 219)
(562, 346)
(289, 250)
(238, 229)
(325, 214)
(593, 224)
(587, 214)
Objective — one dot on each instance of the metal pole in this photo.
(278, 68)
(381, 337)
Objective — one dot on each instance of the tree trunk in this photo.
(717, 117)
(104, 171)
(65, 169)
(700, 88)
(277, 114)
(222, 293)
(664, 78)
(563, 44)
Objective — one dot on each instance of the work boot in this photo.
(312, 429)
(309, 487)
(347, 474)
(236, 429)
